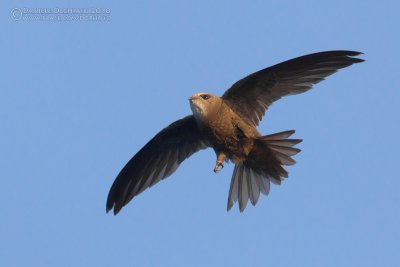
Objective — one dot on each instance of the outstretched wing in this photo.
(158, 159)
(252, 95)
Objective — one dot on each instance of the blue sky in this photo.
(79, 98)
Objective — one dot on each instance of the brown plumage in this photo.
(228, 125)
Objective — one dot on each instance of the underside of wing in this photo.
(158, 159)
(252, 95)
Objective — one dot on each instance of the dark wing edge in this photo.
(158, 159)
(251, 96)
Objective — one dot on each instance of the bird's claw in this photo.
(218, 165)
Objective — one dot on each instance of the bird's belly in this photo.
(227, 142)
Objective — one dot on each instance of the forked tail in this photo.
(263, 165)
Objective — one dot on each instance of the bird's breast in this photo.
(225, 134)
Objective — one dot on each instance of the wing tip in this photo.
(351, 55)
(348, 56)
(113, 206)
(230, 205)
(109, 204)
(115, 211)
(108, 209)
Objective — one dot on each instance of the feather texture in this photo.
(158, 159)
(261, 168)
(252, 95)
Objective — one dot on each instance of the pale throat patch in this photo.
(197, 109)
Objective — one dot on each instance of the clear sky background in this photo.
(79, 98)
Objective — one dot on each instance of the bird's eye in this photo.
(205, 97)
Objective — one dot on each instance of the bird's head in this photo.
(204, 104)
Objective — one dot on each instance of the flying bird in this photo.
(227, 124)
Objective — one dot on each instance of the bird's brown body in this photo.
(228, 125)
(229, 135)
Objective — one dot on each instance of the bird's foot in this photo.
(218, 165)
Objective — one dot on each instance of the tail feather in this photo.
(279, 136)
(243, 189)
(234, 188)
(246, 184)
(264, 185)
(289, 151)
(263, 166)
(283, 142)
(254, 187)
(285, 159)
